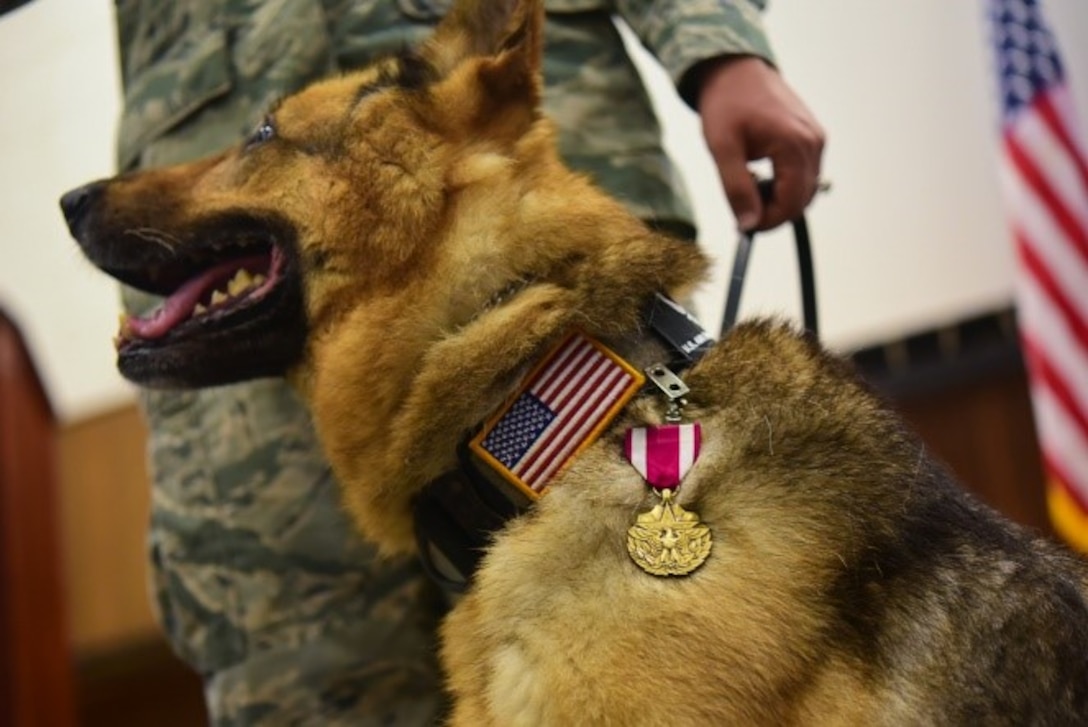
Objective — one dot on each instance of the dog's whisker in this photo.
(163, 239)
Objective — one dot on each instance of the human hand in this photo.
(748, 112)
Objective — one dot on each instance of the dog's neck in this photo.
(405, 377)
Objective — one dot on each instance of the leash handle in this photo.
(806, 269)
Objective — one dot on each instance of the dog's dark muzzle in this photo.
(77, 206)
(204, 333)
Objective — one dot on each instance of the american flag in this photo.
(560, 409)
(1045, 180)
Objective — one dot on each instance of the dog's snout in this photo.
(76, 203)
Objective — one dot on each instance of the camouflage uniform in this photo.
(260, 582)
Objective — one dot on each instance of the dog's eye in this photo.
(265, 132)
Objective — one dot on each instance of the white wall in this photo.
(911, 236)
(59, 100)
(913, 233)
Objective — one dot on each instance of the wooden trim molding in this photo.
(36, 680)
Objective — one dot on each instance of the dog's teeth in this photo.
(219, 297)
(124, 323)
(124, 332)
(241, 282)
(259, 279)
(200, 309)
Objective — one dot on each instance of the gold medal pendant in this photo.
(668, 540)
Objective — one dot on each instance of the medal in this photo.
(668, 540)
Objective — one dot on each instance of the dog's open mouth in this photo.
(208, 298)
(232, 306)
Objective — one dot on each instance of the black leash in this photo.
(805, 268)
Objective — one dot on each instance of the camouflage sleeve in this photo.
(683, 33)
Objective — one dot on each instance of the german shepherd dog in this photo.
(405, 245)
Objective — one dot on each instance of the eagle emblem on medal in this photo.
(668, 540)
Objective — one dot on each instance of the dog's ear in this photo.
(506, 36)
(482, 28)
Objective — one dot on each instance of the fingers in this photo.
(749, 113)
(795, 160)
(796, 180)
(740, 188)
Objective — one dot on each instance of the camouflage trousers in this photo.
(261, 582)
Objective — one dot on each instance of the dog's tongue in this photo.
(179, 306)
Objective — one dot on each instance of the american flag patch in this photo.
(561, 408)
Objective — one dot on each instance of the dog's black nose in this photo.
(76, 203)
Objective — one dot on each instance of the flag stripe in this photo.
(1046, 374)
(1030, 219)
(1038, 140)
(1048, 111)
(1064, 448)
(586, 370)
(589, 381)
(1070, 475)
(545, 438)
(1042, 295)
(559, 376)
(573, 439)
(1041, 186)
(1061, 352)
(581, 420)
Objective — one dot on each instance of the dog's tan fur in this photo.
(850, 582)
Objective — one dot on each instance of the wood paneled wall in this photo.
(983, 428)
(105, 503)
